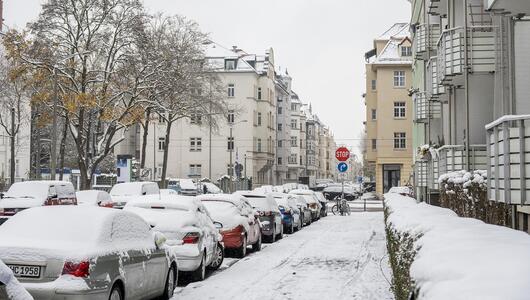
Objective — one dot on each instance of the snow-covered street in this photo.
(334, 258)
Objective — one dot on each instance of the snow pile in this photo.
(465, 179)
(13, 288)
(461, 258)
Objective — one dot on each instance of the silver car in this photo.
(72, 252)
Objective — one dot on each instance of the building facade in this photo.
(389, 108)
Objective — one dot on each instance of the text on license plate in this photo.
(25, 271)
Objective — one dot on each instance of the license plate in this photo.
(25, 271)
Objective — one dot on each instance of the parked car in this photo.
(23, 195)
(65, 252)
(305, 211)
(94, 198)
(122, 193)
(290, 212)
(240, 223)
(188, 187)
(323, 202)
(270, 216)
(210, 188)
(189, 230)
(312, 201)
(335, 190)
(402, 190)
(165, 192)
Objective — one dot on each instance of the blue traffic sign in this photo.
(343, 167)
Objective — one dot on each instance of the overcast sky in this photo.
(320, 42)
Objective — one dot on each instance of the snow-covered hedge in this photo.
(456, 258)
(466, 194)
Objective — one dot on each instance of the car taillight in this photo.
(238, 230)
(77, 269)
(107, 204)
(191, 238)
(1, 212)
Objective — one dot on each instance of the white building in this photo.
(283, 129)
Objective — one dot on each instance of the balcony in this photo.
(425, 109)
(480, 52)
(426, 38)
(453, 158)
(421, 173)
(434, 7)
(432, 78)
(433, 174)
(508, 160)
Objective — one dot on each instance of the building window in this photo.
(196, 119)
(195, 144)
(400, 140)
(406, 51)
(195, 170)
(259, 93)
(294, 124)
(374, 84)
(230, 143)
(280, 143)
(230, 64)
(374, 114)
(293, 159)
(279, 110)
(294, 141)
(399, 109)
(279, 161)
(231, 90)
(161, 143)
(374, 144)
(259, 119)
(161, 119)
(280, 125)
(293, 106)
(301, 160)
(399, 78)
(230, 117)
(258, 145)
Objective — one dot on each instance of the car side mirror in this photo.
(218, 225)
(160, 239)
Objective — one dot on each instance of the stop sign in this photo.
(342, 154)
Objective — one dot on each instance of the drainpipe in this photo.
(466, 86)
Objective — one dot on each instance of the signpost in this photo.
(342, 154)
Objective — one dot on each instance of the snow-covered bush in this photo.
(448, 257)
(466, 194)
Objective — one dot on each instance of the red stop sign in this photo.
(342, 154)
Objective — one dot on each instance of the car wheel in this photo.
(171, 280)
(219, 257)
(116, 293)
(242, 251)
(280, 235)
(200, 273)
(257, 245)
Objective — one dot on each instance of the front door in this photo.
(391, 176)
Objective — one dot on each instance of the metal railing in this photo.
(421, 173)
(453, 158)
(508, 160)
(426, 37)
(425, 109)
(433, 79)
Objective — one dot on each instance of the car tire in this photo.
(200, 273)
(291, 229)
(257, 245)
(242, 251)
(280, 235)
(219, 258)
(116, 293)
(171, 283)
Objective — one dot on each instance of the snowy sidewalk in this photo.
(334, 258)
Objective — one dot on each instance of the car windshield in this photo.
(126, 189)
(28, 189)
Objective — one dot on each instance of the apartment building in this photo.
(296, 160)
(283, 84)
(389, 108)
(471, 75)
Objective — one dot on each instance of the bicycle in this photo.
(341, 207)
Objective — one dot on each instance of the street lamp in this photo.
(231, 149)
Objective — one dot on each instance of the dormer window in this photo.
(230, 64)
(406, 51)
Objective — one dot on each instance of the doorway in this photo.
(391, 176)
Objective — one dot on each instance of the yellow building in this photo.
(389, 109)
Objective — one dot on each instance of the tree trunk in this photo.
(62, 148)
(145, 127)
(12, 165)
(163, 181)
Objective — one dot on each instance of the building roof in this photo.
(396, 35)
(216, 55)
(396, 31)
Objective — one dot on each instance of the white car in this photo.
(312, 201)
(27, 194)
(270, 216)
(189, 230)
(73, 252)
(211, 188)
(94, 198)
(122, 193)
(188, 187)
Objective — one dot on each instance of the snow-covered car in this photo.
(312, 202)
(122, 193)
(335, 190)
(165, 192)
(305, 211)
(94, 198)
(402, 190)
(87, 253)
(189, 230)
(210, 188)
(323, 202)
(10, 287)
(240, 223)
(27, 194)
(270, 216)
(188, 187)
(291, 218)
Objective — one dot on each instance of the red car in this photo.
(240, 223)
